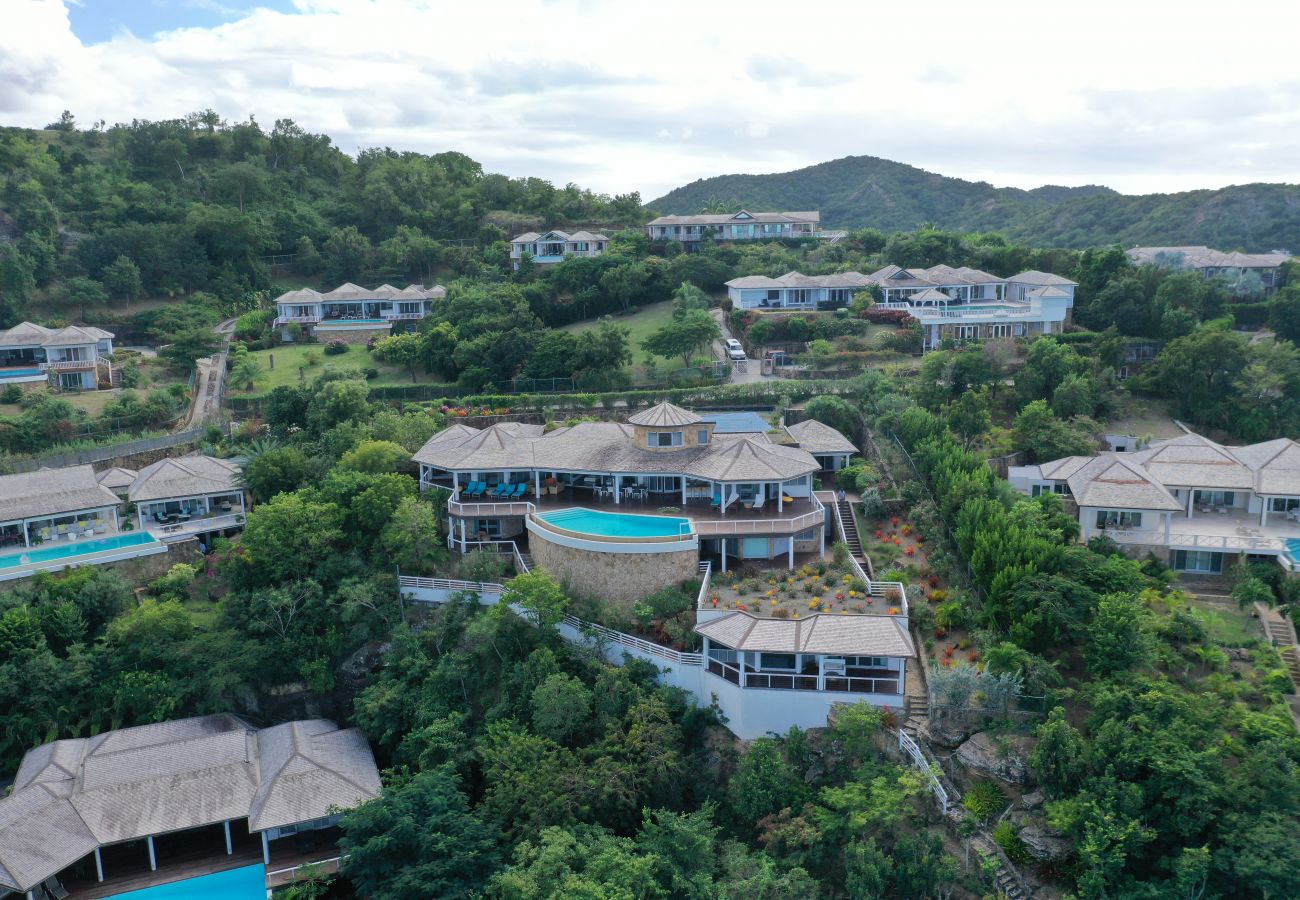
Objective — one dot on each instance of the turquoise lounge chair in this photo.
(519, 490)
(500, 490)
(475, 489)
(716, 502)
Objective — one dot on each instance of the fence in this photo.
(110, 451)
(631, 642)
(913, 750)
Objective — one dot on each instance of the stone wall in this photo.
(621, 577)
(351, 335)
(142, 569)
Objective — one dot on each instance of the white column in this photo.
(821, 533)
(537, 483)
(780, 497)
(455, 482)
(99, 865)
(153, 860)
(242, 507)
(1190, 494)
(27, 541)
(1263, 512)
(463, 548)
(1168, 518)
(790, 553)
(740, 666)
(723, 541)
(117, 524)
(618, 486)
(229, 848)
(683, 492)
(266, 850)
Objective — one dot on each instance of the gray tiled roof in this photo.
(29, 334)
(819, 633)
(1109, 481)
(184, 476)
(1206, 258)
(116, 478)
(817, 437)
(664, 415)
(610, 447)
(355, 293)
(74, 795)
(799, 280)
(1192, 460)
(759, 218)
(48, 492)
(1041, 278)
(936, 277)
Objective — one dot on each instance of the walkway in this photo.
(208, 383)
(1280, 632)
(746, 372)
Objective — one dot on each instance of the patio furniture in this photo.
(521, 490)
(1221, 510)
(716, 502)
(1293, 515)
(786, 498)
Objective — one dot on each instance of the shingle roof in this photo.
(52, 491)
(748, 459)
(74, 795)
(936, 276)
(799, 280)
(116, 478)
(1109, 481)
(29, 334)
(847, 635)
(355, 292)
(818, 437)
(1041, 278)
(184, 476)
(1193, 460)
(728, 218)
(1207, 258)
(664, 415)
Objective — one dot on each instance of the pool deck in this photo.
(209, 863)
(112, 554)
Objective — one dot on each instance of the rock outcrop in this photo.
(1002, 756)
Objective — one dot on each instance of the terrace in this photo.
(182, 517)
(1231, 530)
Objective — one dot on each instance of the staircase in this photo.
(850, 528)
(1008, 885)
(528, 560)
(918, 713)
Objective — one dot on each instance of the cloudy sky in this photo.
(626, 95)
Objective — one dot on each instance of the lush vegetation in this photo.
(868, 192)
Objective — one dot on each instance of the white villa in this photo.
(1215, 263)
(353, 313)
(794, 290)
(619, 510)
(51, 519)
(213, 782)
(1199, 504)
(966, 304)
(739, 226)
(74, 358)
(556, 246)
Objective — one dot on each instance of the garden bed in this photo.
(821, 586)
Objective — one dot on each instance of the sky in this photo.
(621, 96)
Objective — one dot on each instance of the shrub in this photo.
(1004, 835)
(11, 394)
(311, 358)
(336, 347)
(983, 800)
(370, 372)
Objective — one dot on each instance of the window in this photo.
(1000, 330)
(702, 436)
(1197, 561)
(1112, 518)
(868, 662)
(1214, 498)
(490, 527)
(1283, 504)
(665, 438)
(768, 661)
(966, 332)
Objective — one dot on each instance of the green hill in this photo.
(868, 192)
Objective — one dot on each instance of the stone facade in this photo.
(351, 335)
(620, 577)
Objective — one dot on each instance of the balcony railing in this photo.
(300, 320)
(1197, 541)
(64, 364)
(791, 681)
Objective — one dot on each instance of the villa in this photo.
(604, 500)
(1215, 263)
(80, 808)
(75, 358)
(352, 313)
(966, 304)
(794, 290)
(51, 519)
(740, 226)
(1200, 505)
(555, 246)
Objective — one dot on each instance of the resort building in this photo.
(75, 358)
(831, 449)
(794, 290)
(740, 226)
(180, 497)
(84, 809)
(965, 304)
(352, 313)
(555, 246)
(53, 508)
(1215, 263)
(1200, 505)
(667, 485)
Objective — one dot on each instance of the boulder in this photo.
(1001, 756)
(1032, 800)
(945, 734)
(1046, 845)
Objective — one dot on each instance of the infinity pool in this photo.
(343, 323)
(610, 524)
(51, 552)
(19, 373)
(233, 884)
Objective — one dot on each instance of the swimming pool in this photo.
(245, 883)
(617, 525)
(20, 373)
(1293, 547)
(51, 552)
(344, 323)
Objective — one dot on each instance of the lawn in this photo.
(281, 366)
(642, 323)
(1226, 624)
(1144, 417)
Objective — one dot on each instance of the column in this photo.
(740, 666)
(1263, 511)
(463, 548)
(683, 492)
(537, 484)
(229, 848)
(1168, 518)
(153, 860)
(27, 541)
(455, 482)
(821, 533)
(266, 850)
(723, 541)
(780, 497)
(618, 487)
(99, 865)
(117, 525)
(242, 508)
(790, 553)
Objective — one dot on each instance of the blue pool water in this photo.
(49, 552)
(343, 323)
(233, 884)
(1293, 547)
(19, 373)
(609, 524)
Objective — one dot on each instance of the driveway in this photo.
(744, 371)
(206, 407)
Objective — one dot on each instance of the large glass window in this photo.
(1197, 561)
(770, 661)
(1214, 498)
(666, 439)
(1118, 518)
(1283, 504)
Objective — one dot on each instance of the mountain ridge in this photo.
(871, 192)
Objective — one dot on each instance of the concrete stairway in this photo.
(918, 713)
(851, 536)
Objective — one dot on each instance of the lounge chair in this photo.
(716, 501)
(521, 489)
(500, 490)
(474, 488)
(757, 502)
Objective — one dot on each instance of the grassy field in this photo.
(311, 358)
(642, 323)
(1227, 624)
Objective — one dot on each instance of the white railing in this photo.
(1194, 541)
(874, 588)
(760, 526)
(68, 364)
(910, 747)
(488, 509)
(300, 320)
(449, 584)
(293, 871)
(621, 639)
(706, 573)
(195, 525)
(402, 317)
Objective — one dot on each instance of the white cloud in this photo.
(646, 97)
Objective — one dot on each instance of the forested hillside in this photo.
(868, 192)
